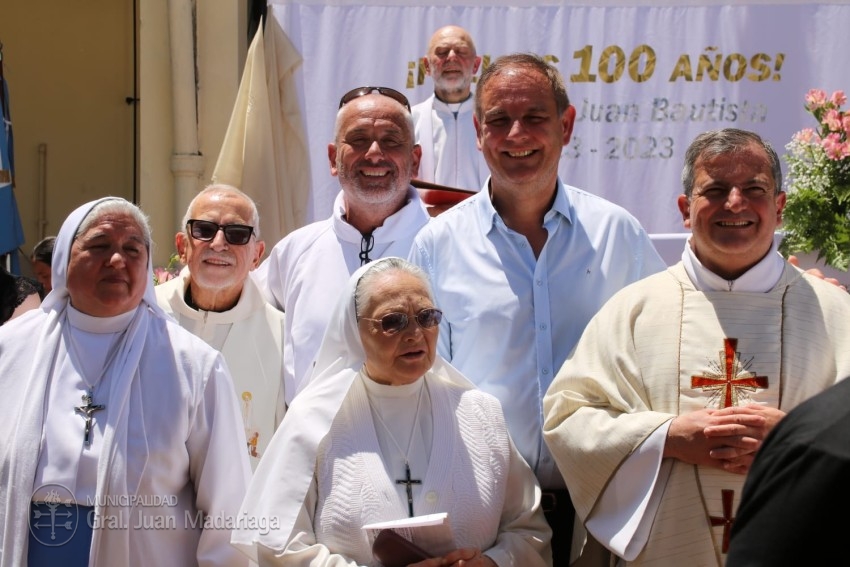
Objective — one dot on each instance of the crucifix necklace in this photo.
(88, 409)
(87, 413)
(407, 480)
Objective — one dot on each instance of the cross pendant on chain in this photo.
(409, 482)
(87, 413)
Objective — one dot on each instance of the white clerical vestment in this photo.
(776, 348)
(250, 336)
(305, 273)
(450, 154)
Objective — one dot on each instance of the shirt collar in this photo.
(488, 214)
(403, 223)
(761, 278)
(465, 105)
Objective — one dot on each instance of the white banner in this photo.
(645, 80)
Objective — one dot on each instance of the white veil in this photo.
(25, 426)
(283, 477)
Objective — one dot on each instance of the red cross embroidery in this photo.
(732, 376)
(727, 519)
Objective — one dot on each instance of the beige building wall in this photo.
(221, 46)
(70, 68)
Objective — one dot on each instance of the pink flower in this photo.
(845, 121)
(832, 120)
(815, 99)
(838, 98)
(806, 136)
(833, 146)
(161, 275)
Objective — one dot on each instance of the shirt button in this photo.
(545, 371)
(543, 327)
(431, 497)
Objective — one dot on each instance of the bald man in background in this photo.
(443, 121)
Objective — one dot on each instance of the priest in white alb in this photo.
(443, 121)
(656, 416)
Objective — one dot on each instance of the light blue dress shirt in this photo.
(509, 319)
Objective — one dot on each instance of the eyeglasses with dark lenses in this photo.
(363, 91)
(237, 234)
(393, 323)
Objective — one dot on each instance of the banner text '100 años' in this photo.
(640, 64)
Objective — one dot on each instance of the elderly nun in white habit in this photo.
(386, 429)
(121, 442)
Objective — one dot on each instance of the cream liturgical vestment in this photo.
(660, 348)
(250, 336)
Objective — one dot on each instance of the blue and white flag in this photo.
(11, 231)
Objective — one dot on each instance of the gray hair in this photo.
(363, 291)
(523, 61)
(231, 190)
(713, 143)
(117, 206)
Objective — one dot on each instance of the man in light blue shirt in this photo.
(520, 268)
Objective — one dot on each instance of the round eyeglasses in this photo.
(393, 323)
(204, 230)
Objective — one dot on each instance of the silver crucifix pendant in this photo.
(87, 413)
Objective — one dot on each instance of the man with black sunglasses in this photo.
(215, 299)
(376, 214)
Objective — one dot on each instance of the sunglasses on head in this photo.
(237, 234)
(393, 323)
(363, 91)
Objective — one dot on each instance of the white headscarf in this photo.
(283, 477)
(21, 458)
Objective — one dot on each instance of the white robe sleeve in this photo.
(524, 534)
(302, 548)
(623, 516)
(219, 467)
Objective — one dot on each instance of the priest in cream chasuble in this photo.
(645, 361)
(655, 417)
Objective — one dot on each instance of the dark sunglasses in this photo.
(393, 323)
(363, 91)
(237, 234)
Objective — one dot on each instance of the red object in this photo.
(441, 198)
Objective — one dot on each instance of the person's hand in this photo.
(735, 435)
(733, 459)
(794, 261)
(463, 557)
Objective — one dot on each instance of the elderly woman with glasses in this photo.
(121, 441)
(386, 430)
